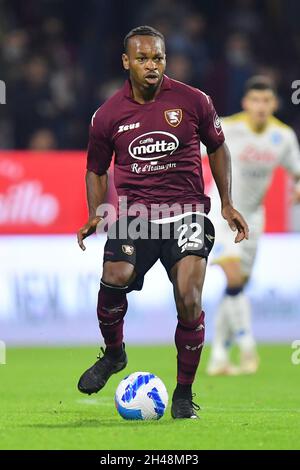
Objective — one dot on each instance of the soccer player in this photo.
(259, 143)
(154, 125)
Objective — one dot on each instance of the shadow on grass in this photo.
(96, 423)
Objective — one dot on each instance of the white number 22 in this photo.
(182, 240)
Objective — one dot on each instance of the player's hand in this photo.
(236, 222)
(88, 229)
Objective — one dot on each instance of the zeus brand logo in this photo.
(128, 127)
(156, 143)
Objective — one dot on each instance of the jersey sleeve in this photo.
(210, 129)
(291, 156)
(100, 149)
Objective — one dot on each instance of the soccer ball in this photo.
(141, 395)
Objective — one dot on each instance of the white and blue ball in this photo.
(141, 395)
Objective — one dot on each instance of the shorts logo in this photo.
(127, 249)
(173, 117)
(210, 238)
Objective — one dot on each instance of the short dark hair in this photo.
(142, 31)
(259, 82)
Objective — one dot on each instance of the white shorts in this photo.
(245, 251)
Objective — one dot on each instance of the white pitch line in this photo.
(96, 402)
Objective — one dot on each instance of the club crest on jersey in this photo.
(128, 249)
(173, 117)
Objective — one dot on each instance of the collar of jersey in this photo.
(166, 85)
(248, 123)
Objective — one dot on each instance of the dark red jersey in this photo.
(156, 145)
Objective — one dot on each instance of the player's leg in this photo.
(238, 311)
(112, 303)
(188, 277)
(233, 324)
(125, 264)
(233, 318)
(227, 254)
(118, 274)
(219, 362)
(111, 309)
(185, 257)
(225, 328)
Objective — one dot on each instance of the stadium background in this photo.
(60, 61)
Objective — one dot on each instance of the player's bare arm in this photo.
(96, 187)
(220, 164)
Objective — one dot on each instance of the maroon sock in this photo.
(189, 340)
(111, 309)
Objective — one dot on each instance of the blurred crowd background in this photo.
(60, 59)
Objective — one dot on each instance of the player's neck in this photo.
(257, 127)
(144, 95)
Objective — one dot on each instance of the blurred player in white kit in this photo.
(258, 143)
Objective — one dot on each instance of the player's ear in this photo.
(125, 61)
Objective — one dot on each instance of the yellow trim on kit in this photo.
(224, 259)
(243, 117)
(276, 122)
(237, 117)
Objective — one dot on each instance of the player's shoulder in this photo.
(277, 124)
(105, 114)
(282, 130)
(234, 119)
(189, 91)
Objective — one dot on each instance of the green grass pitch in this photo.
(40, 407)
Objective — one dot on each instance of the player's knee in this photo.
(115, 274)
(236, 281)
(234, 274)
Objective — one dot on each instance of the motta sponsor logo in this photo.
(153, 145)
(26, 203)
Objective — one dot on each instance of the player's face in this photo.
(145, 60)
(259, 105)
